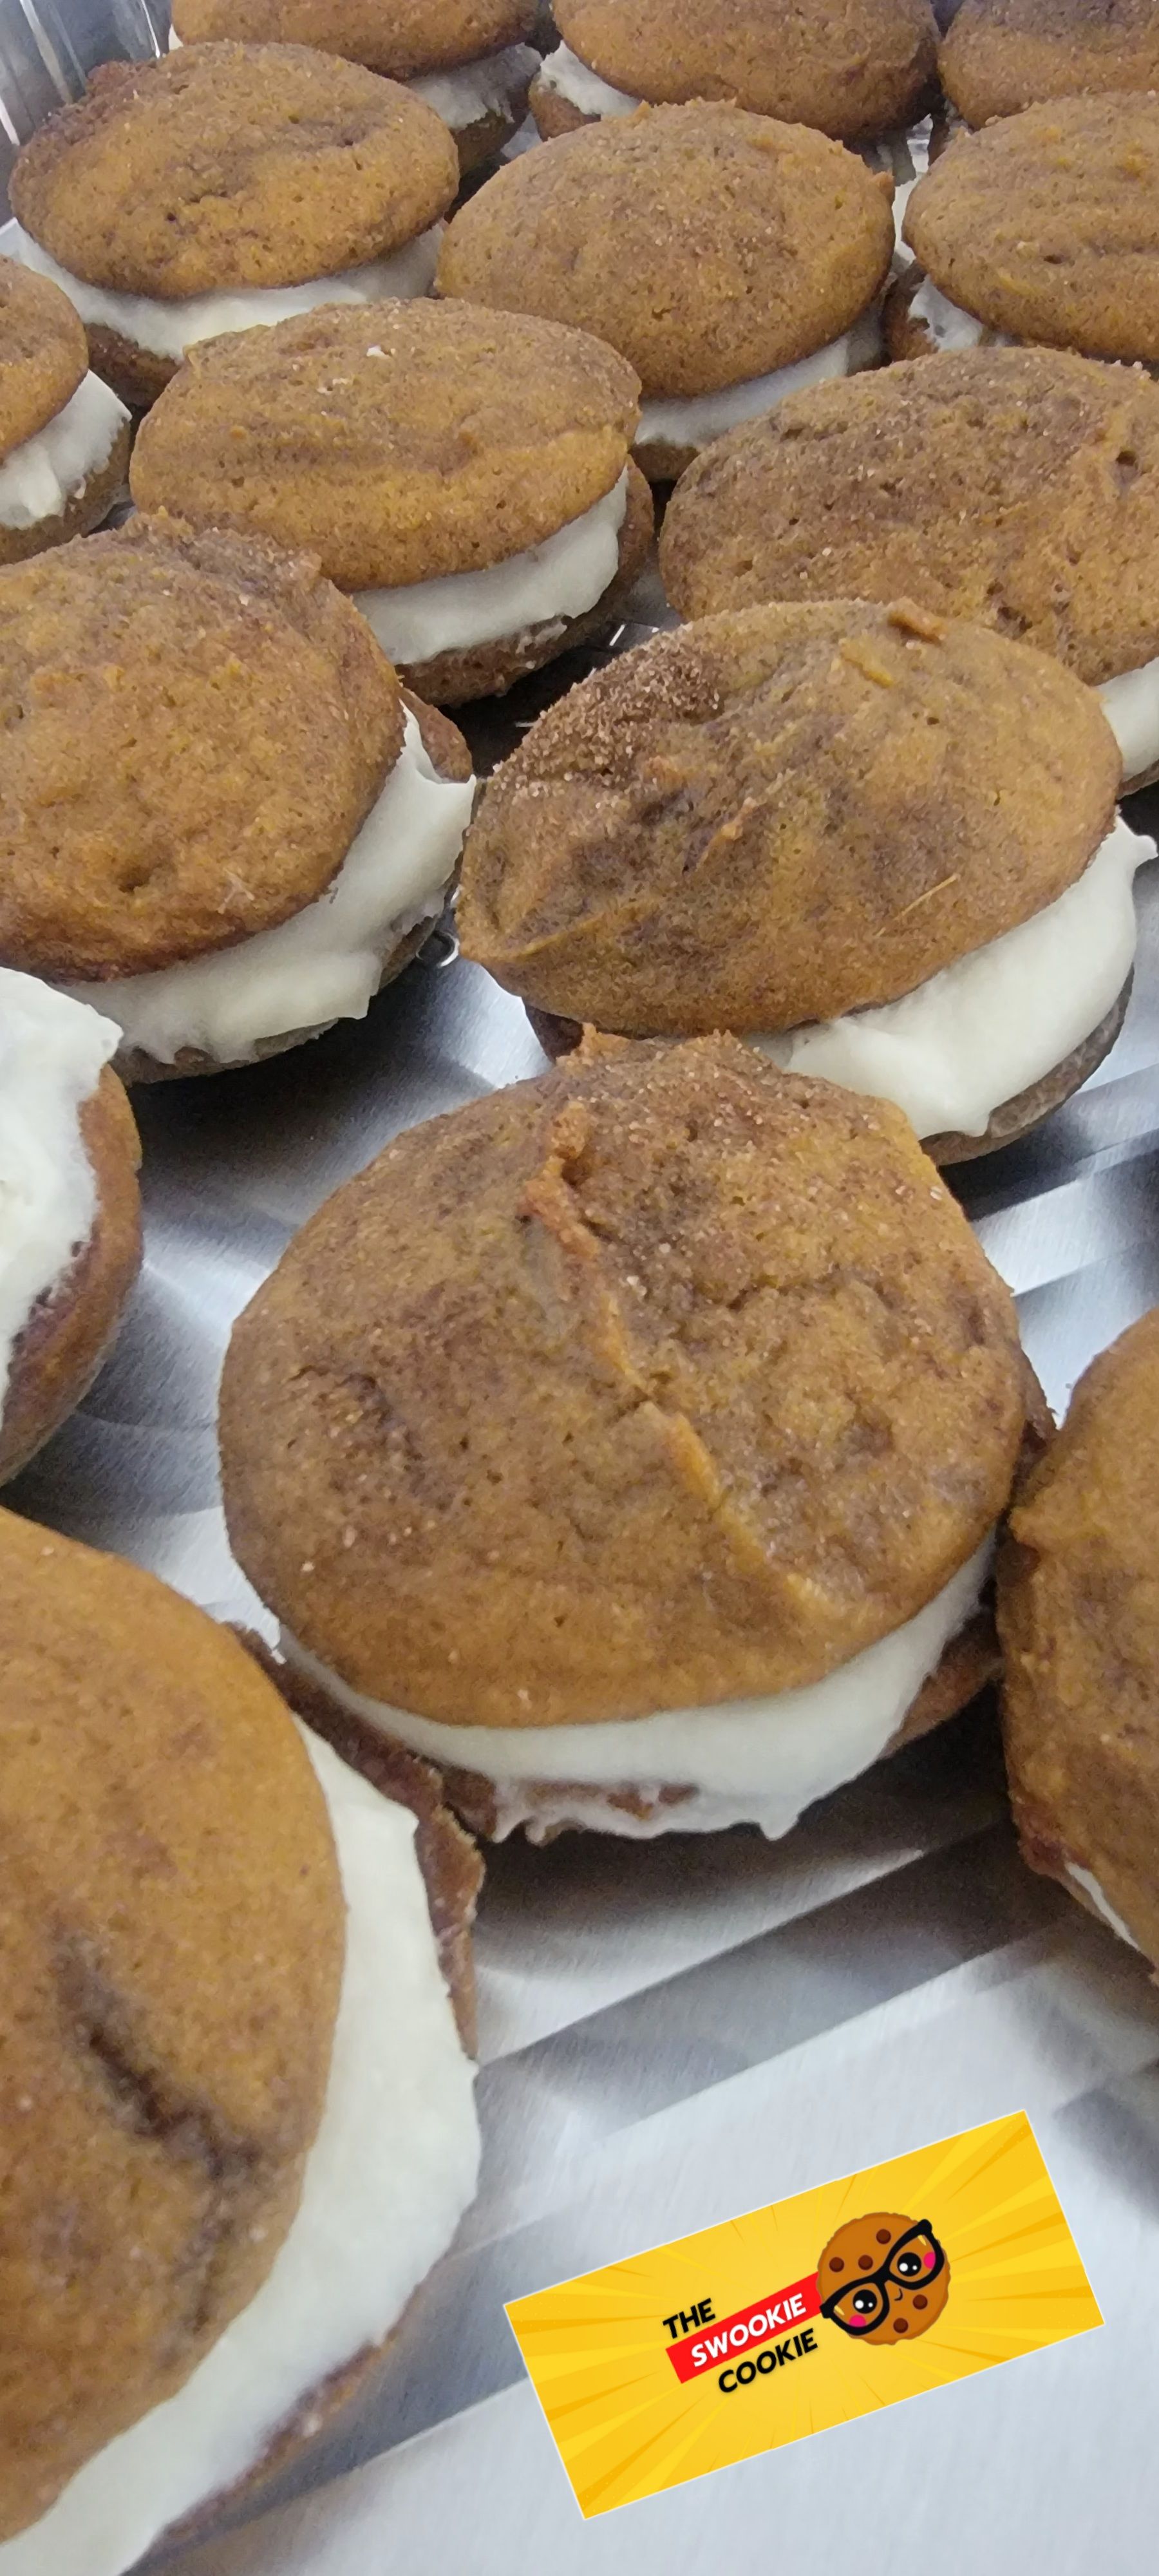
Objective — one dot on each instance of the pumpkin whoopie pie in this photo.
(1019, 487)
(1042, 228)
(881, 846)
(998, 56)
(64, 436)
(228, 185)
(725, 256)
(469, 59)
(464, 473)
(70, 1229)
(221, 821)
(854, 70)
(1079, 1615)
(236, 2125)
(632, 1442)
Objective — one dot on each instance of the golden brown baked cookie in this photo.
(396, 37)
(1079, 1619)
(679, 1380)
(196, 727)
(998, 56)
(232, 165)
(398, 442)
(707, 245)
(68, 1337)
(1046, 225)
(43, 354)
(1019, 487)
(782, 814)
(157, 2112)
(852, 69)
(883, 2279)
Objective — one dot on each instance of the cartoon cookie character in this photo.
(883, 2279)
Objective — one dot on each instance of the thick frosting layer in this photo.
(166, 328)
(393, 2167)
(583, 88)
(52, 1054)
(699, 418)
(1131, 707)
(948, 326)
(326, 963)
(491, 87)
(39, 478)
(554, 581)
(986, 1028)
(1083, 1878)
(748, 1761)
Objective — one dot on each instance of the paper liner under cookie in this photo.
(70, 1333)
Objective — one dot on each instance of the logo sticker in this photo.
(631, 2363)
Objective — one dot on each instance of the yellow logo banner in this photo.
(804, 2315)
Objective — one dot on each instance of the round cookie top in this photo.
(396, 37)
(399, 441)
(883, 2278)
(783, 814)
(232, 165)
(1046, 225)
(1019, 487)
(851, 67)
(43, 353)
(195, 729)
(705, 244)
(1078, 1607)
(662, 1379)
(1000, 55)
(173, 1933)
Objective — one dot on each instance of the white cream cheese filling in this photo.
(52, 1055)
(948, 326)
(698, 418)
(983, 1030)
(564, 72)
(1131, 707)
(325, 963)
(749, 1761)
(906, 156)
(557, 580)
(494, 86)
(392, 2168)
(166, 328)
(39, 478)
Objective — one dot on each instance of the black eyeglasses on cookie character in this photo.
(883, 2279)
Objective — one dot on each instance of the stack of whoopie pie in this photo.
(224, 186)
(70, 1235)
(221, 820)
(464, 473)
(855, 71)
(998, 56)
(726, 256)
(1016, 486)
(632, 1443)
(469, 59)
(64, 436)
(880, 845)
(236, 2126)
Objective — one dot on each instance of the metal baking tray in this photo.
(674, 2032)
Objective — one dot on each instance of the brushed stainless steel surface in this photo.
(674, 2032)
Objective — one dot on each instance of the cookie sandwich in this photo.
(1080, 1636)
(237, 2126)
(998, 56)
(469, 59)
(224, 186)
(880, 846)
(632, 1442)
(728, 258)
(64, 436)
(70, 1226)
(221, 821)
(1018, 487)
(1042, 228)
(854, 72)
(464, 474)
